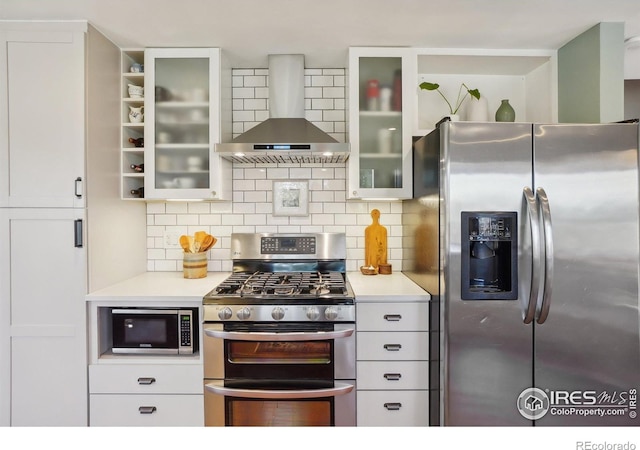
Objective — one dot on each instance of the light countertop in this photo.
(159, 286)
(384, 288)
(172, 286)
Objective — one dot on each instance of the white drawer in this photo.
(389, 375)
(114, 410)
(393, 408)
(392, 316)
(146, 379)
(400, 346)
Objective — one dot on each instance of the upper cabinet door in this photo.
(182, 124)
(380, 80)
(42, 118)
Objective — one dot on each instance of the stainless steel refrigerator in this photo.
(527, 236)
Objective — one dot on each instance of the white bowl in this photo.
(135, 91)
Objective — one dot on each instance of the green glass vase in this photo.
(505, 112)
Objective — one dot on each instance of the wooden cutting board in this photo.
(375, 241)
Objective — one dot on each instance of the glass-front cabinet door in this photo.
(183, 122)
(380, 123)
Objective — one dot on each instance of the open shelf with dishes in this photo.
(132, 129)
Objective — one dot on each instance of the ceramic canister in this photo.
(195, 265)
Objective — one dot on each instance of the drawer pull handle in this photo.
(393, 406)
(392, 376)
(392, 317)
(392, 347)
(146, 380)
(147, 409)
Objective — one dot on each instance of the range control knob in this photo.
(313, 313)
(225, 313)
(331, 313)
(243, 313)
(277, 313)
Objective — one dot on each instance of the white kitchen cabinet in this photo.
(380, 118)
(132, 132)
(59, 236)
(147, 410)
(392, 352)
(43, 341)
(527, 78)
(146, 395)
(187, 90)
(141, 389)
(42, 118)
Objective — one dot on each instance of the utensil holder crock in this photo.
(195, 265)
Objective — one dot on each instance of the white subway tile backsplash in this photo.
(251, 210)
(243, 72)
(245, 116)
(333, 92)
(255, 104)
(243, 92)
(322, 80)
(322, 103)
(313, 92)
(255, 81)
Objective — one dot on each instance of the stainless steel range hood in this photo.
(286, 136)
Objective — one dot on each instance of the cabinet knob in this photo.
(146, 380)
(392, 317)
(214, 194)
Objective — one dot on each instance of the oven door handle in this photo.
(285, 337)
(218, 387)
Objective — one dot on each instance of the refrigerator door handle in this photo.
(534, 221)
(543, 201)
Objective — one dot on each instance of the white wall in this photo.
(251, 208)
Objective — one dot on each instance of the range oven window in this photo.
(274, 352)
(279, 359)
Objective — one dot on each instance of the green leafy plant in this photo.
(425, 85)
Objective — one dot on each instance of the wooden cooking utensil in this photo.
(198, 240)
(211, 241)
(185, 244)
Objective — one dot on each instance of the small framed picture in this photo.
(291, 198)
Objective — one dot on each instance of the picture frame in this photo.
(291, 198)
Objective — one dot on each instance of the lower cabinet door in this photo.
(145, 379)
(393, 346)
(393, 408)
(146, 410)
(391, 375)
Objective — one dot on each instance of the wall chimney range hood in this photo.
(286, 136)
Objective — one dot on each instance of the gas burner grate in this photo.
(284, 284)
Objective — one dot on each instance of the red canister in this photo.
(373, 95)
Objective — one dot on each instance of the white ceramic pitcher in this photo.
(136, 114)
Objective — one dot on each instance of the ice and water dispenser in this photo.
(489, 256)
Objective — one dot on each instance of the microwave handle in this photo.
(283, 337)
(218, 387)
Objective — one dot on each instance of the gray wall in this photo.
(591, 76)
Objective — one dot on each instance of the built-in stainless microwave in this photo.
(155, 331)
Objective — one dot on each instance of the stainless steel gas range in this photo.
(279, 334)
